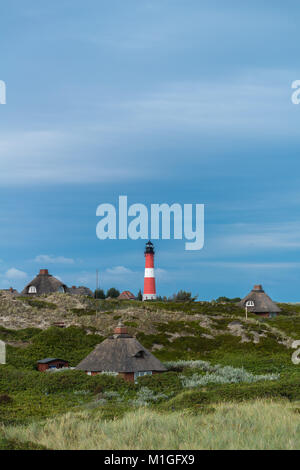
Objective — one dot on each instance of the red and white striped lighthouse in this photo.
(149, 279)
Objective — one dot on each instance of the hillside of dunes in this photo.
(214, 356)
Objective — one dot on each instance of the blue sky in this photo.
(163, 101)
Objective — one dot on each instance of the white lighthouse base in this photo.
(149, 297)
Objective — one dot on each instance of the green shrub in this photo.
(71, 344)
(25, 334)
(81, 312)
(38, 303)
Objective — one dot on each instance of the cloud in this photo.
(262, 236)
(161, 274)
(50, 259)
(119, 275)
(245, 265)
(54, 157)
(237, 105)
(14, 274)
(119, 270)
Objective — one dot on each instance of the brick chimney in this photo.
(258, 287)
(44, 272)
(120, 329)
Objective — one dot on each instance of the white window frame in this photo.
(141, 373)
(32, 290)
(250, 303)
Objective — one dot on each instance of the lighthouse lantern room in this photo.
(149, 278)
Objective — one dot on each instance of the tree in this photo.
(184, 296)
(99, 294)
(140, 295)
(113, 293)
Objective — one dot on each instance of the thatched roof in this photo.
(262, 302)
(120, 353)
(81, 290)
(44, 284)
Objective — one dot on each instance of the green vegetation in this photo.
(37, 303)
(81, 312)
(183, 296)
(25, 334)
(71, 344)
(226, 299)
(133, 324)
(254, 425)
(113, 293)
(218, 363)
(99, 294)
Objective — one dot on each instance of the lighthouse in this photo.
(149, 278)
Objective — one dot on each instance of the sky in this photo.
(165, 101)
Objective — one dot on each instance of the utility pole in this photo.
(97, 279)
(97, 287)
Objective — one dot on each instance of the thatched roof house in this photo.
(258, 302)
(123, 354)
(44, 283)
(81, 290)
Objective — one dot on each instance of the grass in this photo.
(260, 424)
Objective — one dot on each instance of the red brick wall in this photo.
(57, 364)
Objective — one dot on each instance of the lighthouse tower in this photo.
(149, 279)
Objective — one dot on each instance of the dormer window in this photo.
(250, 303)
(140, 353)
(32, 290)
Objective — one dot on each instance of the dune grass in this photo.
(259, 424)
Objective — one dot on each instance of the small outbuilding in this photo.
(126, 295)
(51, 363)
(123, 354)
(44, 283)
(258, 302)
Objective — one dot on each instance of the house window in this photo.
(61, 290)
(140, 354)
(32, 290)
(250, 303)
(141, 374)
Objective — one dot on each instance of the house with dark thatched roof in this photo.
(44, 283)
(123, 354)
(81, 290)
(258, 302)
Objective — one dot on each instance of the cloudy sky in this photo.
(163, 101)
